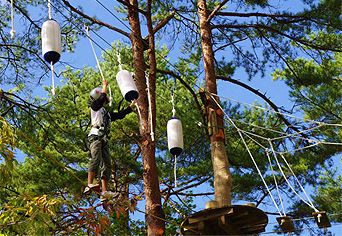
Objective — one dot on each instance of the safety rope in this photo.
(98, 64)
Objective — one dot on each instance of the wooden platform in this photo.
(229, 220)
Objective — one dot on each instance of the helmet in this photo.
(95, 93)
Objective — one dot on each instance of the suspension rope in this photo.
(300, 185)
(276, 182)
(49, 9)
(12, 32)
(118, 55)
(173, 104)
(288, 182)
(53, 79)
(149, 105)
(175, 170)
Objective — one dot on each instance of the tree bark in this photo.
(153, 208)
(222, 176)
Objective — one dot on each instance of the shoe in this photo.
(90, 187)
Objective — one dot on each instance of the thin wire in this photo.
(287, 181)
(277, 112)
(80, 29)
(297, 149)
(275, 181)
(49, 9)
(300, 132)
(300, 185)
(250, 154)
(113, 15)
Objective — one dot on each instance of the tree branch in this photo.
(163, 22)
(256, 92)
(217, 8)
(179, 78)
(261, 26)
(95, 20)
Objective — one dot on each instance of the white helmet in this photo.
(95, 93)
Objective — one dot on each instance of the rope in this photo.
(173, 104)
(53, 79)
(119, 59)
(93, 49)
(300, 185)
(98, 64)
(276, 183)
(250, 154)
(315, 142)
(49, 9)
(149, 105)
(278, 112)
(287, 181)
(175, 171)
(12, 32)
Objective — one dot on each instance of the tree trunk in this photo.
(153, 208)
(222, 176)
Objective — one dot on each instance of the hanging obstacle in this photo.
(175, 136)
(127, 85)
(51, 43)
